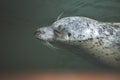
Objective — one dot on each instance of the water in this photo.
(20, 18)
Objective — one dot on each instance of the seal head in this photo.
(68, 28)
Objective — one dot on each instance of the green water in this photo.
(20, 18)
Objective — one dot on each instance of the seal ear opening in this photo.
(69, 34)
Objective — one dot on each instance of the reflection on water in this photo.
(20, 18)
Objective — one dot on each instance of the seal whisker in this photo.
(50, 45)
(59, 16)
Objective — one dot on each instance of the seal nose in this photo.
(37, 33)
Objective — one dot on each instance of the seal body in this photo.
(100, 39)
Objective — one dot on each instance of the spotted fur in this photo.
(100, 39)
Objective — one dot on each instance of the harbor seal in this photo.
(100, 39)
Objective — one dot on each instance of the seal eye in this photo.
(69, 34)
(58, 33)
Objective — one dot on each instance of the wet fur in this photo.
(101, 40)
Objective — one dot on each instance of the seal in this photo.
(100, 39)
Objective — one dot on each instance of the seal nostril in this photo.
(37, 33)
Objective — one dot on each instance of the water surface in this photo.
(20, 18)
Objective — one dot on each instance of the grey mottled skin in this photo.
(100, 39)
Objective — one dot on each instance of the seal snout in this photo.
(37, 33)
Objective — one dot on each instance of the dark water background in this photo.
(20, 18)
